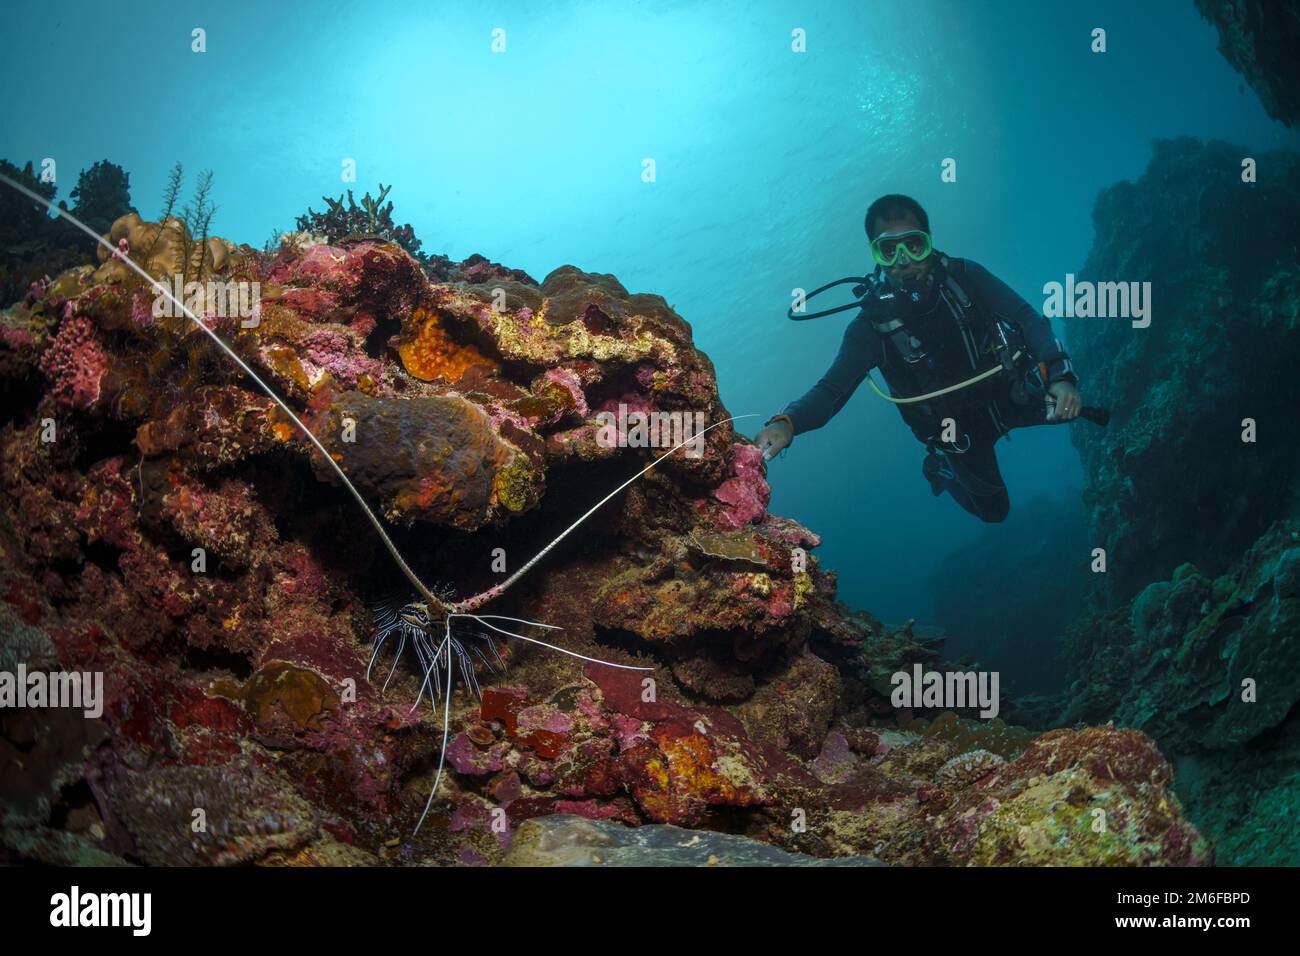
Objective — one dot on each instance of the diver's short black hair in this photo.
(894, 206)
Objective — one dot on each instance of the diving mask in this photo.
(889, 248)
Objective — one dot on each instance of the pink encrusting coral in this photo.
(568, 381)
(747, 493)
(201, 552)
(15, 338)
(335, 352)
(75, 362)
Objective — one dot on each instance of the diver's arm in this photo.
(859, 354)
(1002, 300)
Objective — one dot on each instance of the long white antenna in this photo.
(497, 590)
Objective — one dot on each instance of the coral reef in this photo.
(1176, 661)
(1194, 636)
(178, 535)
(371, 219)
(1210, 668)
(1224, 326)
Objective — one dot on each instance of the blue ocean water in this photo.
(765, 161)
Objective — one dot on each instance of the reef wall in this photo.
(164, 524)
(1171, 480)
(1259, 38)
(1192, 490)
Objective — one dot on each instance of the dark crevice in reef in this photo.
(75, 805)
(101, 554)
(617, 639)
(463, 561)
(101, 440)
(18, 398)
(205, 660)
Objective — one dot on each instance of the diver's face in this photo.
(905, 270)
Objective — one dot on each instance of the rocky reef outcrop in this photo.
(1192, 489)
(1259, 38)
(1199, 458)
(1200, 662)
(163, 523)
(1210, 668)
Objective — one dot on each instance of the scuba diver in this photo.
(966, 360)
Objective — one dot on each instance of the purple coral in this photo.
(333, 351)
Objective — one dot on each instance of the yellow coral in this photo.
(284, 361)
(434, 354)
(539, 319)
(803, 583)
(512, 484)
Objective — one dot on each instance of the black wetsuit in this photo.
(922, 349)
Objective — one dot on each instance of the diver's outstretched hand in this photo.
(1067, 404)
(773, 439)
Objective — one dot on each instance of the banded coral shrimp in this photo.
(428, 621)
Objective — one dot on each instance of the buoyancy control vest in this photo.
(947, 339)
